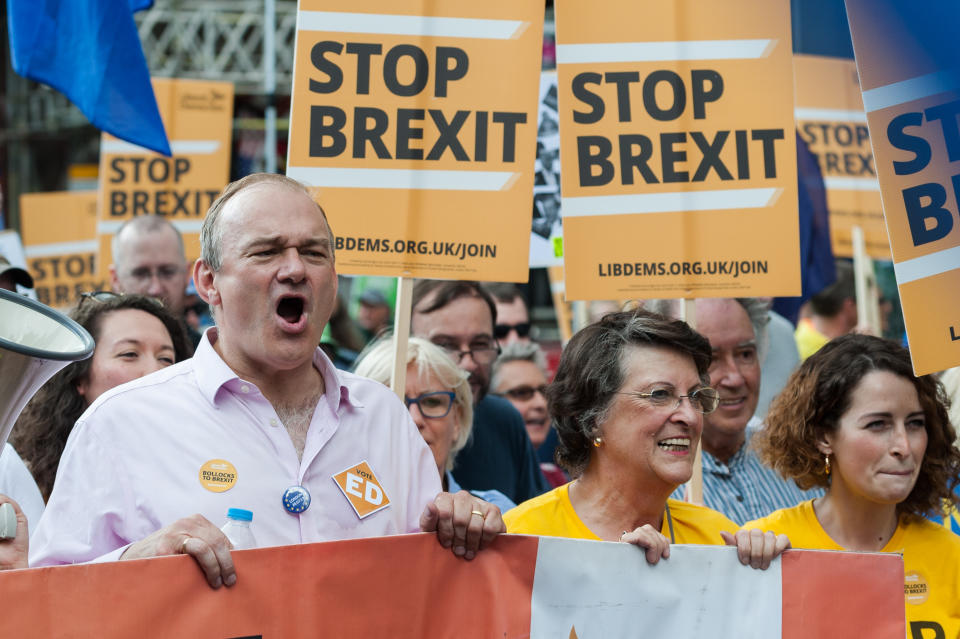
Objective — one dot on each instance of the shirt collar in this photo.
(333, 379)
(714, 465)
(213, 374)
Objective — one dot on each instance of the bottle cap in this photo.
(240, 513)
(296, 499)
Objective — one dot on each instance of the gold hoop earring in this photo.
(597, 442)
(826, 461)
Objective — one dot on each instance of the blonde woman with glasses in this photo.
(440, 402)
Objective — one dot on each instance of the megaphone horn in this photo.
(36, 342)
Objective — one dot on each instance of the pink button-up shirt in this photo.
(133, 462)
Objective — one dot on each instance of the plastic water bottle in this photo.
(237, 529)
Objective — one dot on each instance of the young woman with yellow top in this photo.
(628, 403)
(854, 419)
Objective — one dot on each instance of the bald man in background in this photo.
(149, 258)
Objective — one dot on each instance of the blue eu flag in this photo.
(90, 51)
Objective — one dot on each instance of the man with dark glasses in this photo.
(513, 316)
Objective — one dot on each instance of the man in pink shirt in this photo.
(259, 419)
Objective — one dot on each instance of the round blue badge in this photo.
(296, 499)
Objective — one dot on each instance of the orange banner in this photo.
(416, 122)
(198, 116)
(912, 99)
(831, 120)
(60, 243)
(678, 149)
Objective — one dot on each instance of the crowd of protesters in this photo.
(267, 367)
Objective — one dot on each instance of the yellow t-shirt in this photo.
(931, 563)
(809, 339)
(552, 515)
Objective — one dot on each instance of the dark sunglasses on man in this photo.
(500, 331)
(524, 393)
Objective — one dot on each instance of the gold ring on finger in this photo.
(183, 545)
(476, 512)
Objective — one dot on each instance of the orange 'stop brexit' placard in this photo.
(416, 122)
(198, 117)
(60, 243)
(678, 149)
(831, 120)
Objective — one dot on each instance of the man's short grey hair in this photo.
(518, 352)
(376, 363)
(211, 233)
(756, 308)
(144, 224)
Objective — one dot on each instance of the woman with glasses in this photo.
(855, 420)
(628, 403)
(134, 334)
(440, 401)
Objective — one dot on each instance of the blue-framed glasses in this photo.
(434, 405)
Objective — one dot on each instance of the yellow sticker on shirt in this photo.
(915, 588)
(362, 489)
(218, 475)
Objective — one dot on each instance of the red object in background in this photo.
(549, 52)
(552, 349)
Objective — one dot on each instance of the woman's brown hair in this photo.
(819, 393)
(591, 372)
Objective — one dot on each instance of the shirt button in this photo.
(274, 422)
(244, 389)
(739, 497)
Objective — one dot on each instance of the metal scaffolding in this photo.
(218, 40)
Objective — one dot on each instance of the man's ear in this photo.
(204, 279)
(114, 280)
(188, 274)
(850, 311)
(82, 385)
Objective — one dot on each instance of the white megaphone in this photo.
(35, 343)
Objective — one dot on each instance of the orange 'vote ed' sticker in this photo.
(218, 475)
(362, 489)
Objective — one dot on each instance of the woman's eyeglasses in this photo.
(106, 296)
(703, 400)
(434, 405)
(96, 296)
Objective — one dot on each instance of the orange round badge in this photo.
(218, 475)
